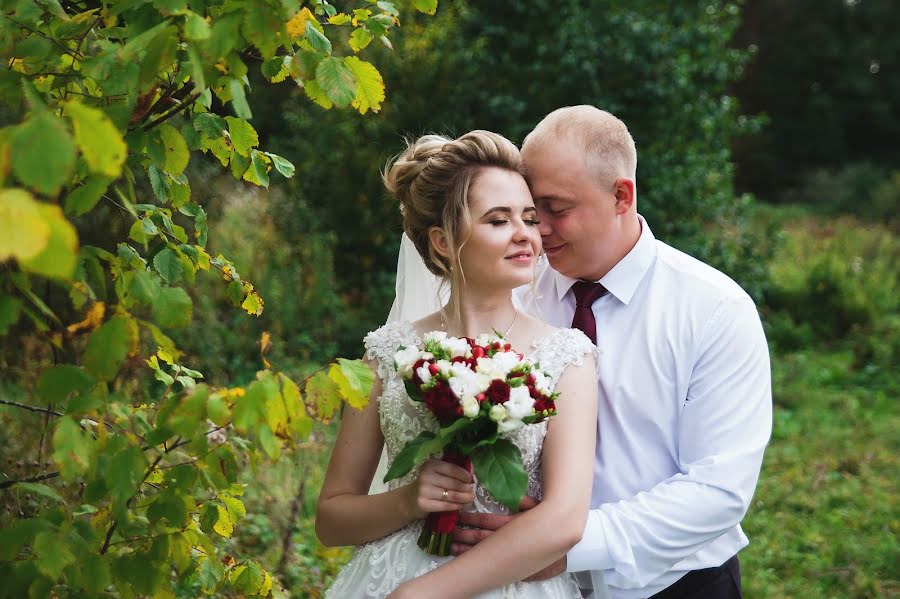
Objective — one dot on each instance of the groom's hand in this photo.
(479, 526)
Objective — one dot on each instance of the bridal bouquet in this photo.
(477, 389)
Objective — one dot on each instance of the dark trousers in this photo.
(723, 582)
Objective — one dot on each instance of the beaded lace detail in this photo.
(380, 566)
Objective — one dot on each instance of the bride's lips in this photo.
(521, 257)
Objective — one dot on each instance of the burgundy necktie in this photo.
(586, 294)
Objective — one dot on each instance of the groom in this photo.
(685, 389)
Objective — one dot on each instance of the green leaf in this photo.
(10, 309)
(369, 85)
(53, 554)
(59, 257)
(267, 440)
(144, 287)
(210, 573)
(499, 470)
(82, 200)
(239, 100)
(40, 489)
(250, 409)
(258, 172)
(56, 383)
(337, 81)
(159, 182)
(428, 7)
(282, 165)
(188, 419)
(169, 266)
(210, 125)
(99, 139)
(43, 153)
(235, 506)
(360, 38)
(125, 472)
(218, 411)
(18, 533)
(71, 449)
(413, 453)
(249, 579)
(93, 573)
(173, 308)
(243, 135)
(196, 27)
(107, 348)
(354, 379)
(317, 39)
(23, 231)
(177, 154)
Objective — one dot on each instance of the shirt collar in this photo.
(623, 280)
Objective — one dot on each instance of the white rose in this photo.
(435, 336)
(520, 403)
(458, 347)
(424, 373)
(542, 382)
(405, 359)
(504, 362)
(470, 406)
(444, 366)
(486, 339)
(497, 413)
(510, 424)
(462, 380)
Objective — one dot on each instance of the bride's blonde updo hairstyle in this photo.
(432, 178)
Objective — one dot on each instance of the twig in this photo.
(296, 504)
(62, 46)
(189, 101)
(8, 483)
(31, 408)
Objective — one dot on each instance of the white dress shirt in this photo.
(685, 414)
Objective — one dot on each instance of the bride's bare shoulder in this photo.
(432, 322)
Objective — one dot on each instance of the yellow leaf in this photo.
(323, 396)
(23, 233)
(224, 525)
(100, 140)
(92, 320)
(165, 355)
(59, 257)
(266, 587)
(369, 85)
(317, 94)
(296, 27)
(253, 303)
(265, 344)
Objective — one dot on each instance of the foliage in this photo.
(101, 241)
(824, 75)
(665, 70)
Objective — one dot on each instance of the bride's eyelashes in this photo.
(530, 222)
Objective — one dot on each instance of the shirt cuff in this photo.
(592, 552)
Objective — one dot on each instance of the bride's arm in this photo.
(347, 514)
(546, 532)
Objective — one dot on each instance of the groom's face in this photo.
(579, 225)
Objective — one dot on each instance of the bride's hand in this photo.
(440, 487)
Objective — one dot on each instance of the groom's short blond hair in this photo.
(609, 150)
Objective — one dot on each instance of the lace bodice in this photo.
(403, 419)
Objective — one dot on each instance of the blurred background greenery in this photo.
(767, 135)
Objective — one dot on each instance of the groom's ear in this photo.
(439, 241)
(623, 190)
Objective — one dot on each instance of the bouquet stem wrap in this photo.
(437, 533)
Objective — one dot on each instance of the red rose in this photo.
(477, 352)
(441, 401)
(541, 401)
(498, 392)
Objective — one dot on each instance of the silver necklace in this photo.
(505, 335)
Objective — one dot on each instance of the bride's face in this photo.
(503, 242)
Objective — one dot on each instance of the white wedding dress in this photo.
(378, 567)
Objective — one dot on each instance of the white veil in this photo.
(418, 294)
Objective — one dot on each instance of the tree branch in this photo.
(189, 101)
(30, 408)
(8, 483)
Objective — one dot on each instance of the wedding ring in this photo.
(444, 495)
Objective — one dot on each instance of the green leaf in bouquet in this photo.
(499, 470)
(414, 453)
(413, 390)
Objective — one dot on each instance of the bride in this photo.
(468, 211)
